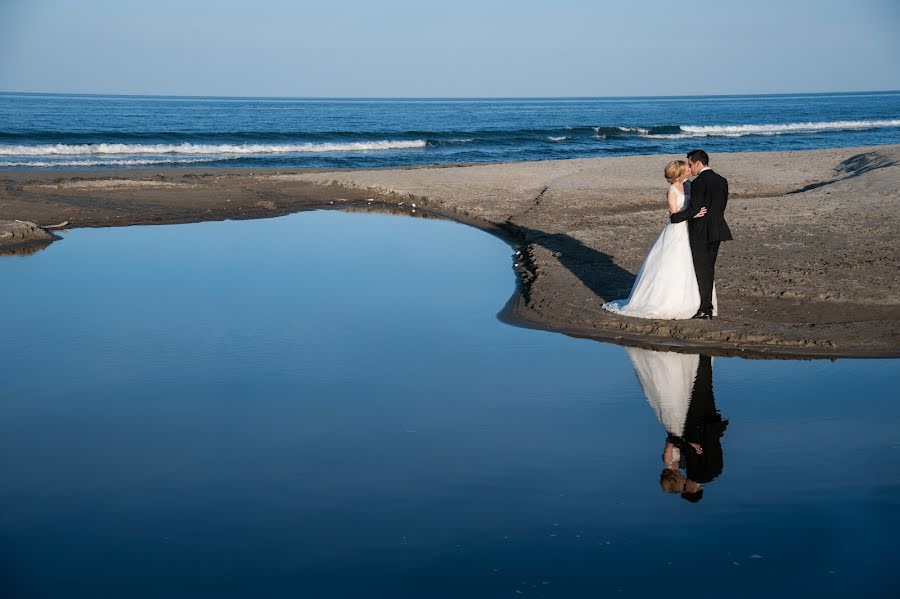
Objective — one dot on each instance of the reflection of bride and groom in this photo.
(679, 389)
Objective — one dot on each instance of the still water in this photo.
(325, 405)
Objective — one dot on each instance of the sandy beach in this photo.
(811, 273)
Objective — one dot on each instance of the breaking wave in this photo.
(100, 149)
(106, 162)
(27, 148)
(686, 131)
(775, 129)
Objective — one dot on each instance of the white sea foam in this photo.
(638, 130)
(560, 138)
(107, 162)
(775, 129)
(201, 149)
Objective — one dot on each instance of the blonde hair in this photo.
(675, 170)
(671, 481)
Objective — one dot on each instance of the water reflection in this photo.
(254, 398)
(407, 209)
(25, 250)
(679, 388)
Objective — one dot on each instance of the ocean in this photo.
(82, 131)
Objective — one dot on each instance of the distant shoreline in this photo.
(812, 272)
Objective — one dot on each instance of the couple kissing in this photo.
(677, 279)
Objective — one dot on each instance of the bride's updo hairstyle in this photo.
(671, 481)
(676, 170)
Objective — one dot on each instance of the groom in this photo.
(703, 429)
(708, 190)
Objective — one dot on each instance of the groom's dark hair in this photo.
(693, 497)
(698, 156)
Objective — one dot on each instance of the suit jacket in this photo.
(709, 190)
(704, 426)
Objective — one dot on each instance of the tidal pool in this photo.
(326, 405)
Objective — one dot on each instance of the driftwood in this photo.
(61, 225)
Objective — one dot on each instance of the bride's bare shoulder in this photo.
(677, 188)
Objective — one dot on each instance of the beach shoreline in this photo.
(812, 272)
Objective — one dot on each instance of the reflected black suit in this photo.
(705, 427)
(708, 190)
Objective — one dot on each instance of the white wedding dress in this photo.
(666, 286)
(667, 379)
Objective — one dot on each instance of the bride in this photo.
(667, 379)
(666, 286)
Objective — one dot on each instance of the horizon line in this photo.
(445, 98)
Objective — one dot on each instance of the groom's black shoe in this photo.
(702, 315)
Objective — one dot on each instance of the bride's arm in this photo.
(672, 200)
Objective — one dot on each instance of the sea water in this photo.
(72, 131)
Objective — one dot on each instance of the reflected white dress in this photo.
(667, 379)
(666, 286)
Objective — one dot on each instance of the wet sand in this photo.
(812, 270)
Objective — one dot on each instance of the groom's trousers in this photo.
(705, 255)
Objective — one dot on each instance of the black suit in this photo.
(705, 427)
(709, 190)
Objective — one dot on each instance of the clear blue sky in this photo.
(448, 48)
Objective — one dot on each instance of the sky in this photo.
(448, 48)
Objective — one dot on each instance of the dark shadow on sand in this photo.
(852, 167)
(595, 269)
